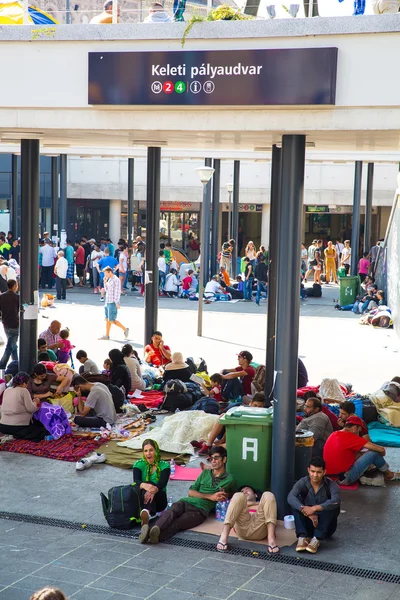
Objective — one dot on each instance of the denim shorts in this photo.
(111, 311)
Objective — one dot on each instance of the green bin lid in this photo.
(247, 414)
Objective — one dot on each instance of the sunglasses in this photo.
(214, 458)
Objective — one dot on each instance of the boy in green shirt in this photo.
(212, 486)
(42, 348)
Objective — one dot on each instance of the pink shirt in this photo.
(363, 266)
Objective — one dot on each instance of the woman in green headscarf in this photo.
(151, 475)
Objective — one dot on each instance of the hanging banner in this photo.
(295, 76)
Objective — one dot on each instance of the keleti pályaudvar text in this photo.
(205, 69)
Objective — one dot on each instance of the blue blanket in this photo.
(384, 435)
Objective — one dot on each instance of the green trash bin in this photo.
(341, 272)
(249, 445)
(348, 289)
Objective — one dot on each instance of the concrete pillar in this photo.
(115, 220)
(265, 219)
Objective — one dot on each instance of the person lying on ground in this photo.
(346, 457)
(315, 503)
(360, 306)
(177, 369)
(89, 366)
(317, 422)
(257, 525)
(98, 410)
(42, 348)
(212, 486)
(157, 353)
(216, 437)
(392, 389)
(237, 381)
(17, 410)
(151, 475)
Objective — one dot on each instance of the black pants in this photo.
(91, 422)
(47, 277)
(34, 432)
(327, 524)
(179, 517)
(159, 503)
(61, 287)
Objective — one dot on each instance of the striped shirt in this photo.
(113, 290)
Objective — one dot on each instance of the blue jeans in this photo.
(261, 287)
(361, 465)
(11, 347)
(347, 307)
(248, 288)
(161, 281)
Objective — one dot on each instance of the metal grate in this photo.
(185, 542)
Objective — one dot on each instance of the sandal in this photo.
(272, 548)
(222, 547)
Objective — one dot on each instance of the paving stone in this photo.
(89, 594)
(139, 589)
(274, 576)
(68, 575)
(373, 590)
(341, 586)
(33, 583)
(13, 593)
(166, 594)
(244, 595)
(128, 573)
(219, 590)
(187, 584)
(112, 584)
(263, 586)
(293, 593)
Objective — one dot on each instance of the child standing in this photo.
(66, 346)
(162, 271)
(168, 255)
(363, 266)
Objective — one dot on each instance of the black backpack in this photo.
(122, 507)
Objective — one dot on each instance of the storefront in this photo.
(335, 221)
(250, 218)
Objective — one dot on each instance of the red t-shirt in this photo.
(247, 379)
(187, 282)
(156, 356)
(80, 256)
(340, 451)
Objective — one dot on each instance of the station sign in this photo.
(281, 77)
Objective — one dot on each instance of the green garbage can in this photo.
(341, 272)
(249, 445)
(348, 289)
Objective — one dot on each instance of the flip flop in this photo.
(222, 547)
(271, 549)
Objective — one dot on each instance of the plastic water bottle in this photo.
(170, 502)
(223, 511)
(218, 511)
(172, 467)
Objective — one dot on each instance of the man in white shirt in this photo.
(48, 255)
(213, 290)
(346, 256)
(61, 270)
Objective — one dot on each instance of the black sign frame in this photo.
(273, 77)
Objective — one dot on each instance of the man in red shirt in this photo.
(237, 381)
(349, 455)
(80, 261)
(157, 353)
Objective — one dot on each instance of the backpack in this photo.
(314, 292)
(122, 507)
(175, 386)
(209, 405)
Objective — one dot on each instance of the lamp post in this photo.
(205, 174)
(229, 187)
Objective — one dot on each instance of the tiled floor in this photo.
(95, 567)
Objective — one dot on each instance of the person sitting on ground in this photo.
(52, 336)
(49, 593)
(348, 409)
(187, 283)
(172, 283)
(157, 14)
(120, 375)
(215, 390)
(88, 365)
(17, 410)
(42, 348)
(315, 502)
(212, 486)
(317, 422)
(302, 375)
(224, 275)
(132, 362)
(255, 525)
(213, 289)
(216, 437)
(40, 381)
(237, 290)
(238, 380)
(157, 353)
(345, 455)
(107, 364)
(99, 409)
(151, 475)
(177, 369)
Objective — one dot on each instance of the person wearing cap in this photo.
(177, 369)
(212, 486)
(317, 422)
(238, 380)
(315, 503)
(253, 518)
(113, 295)
(348, 409)
(157, 14)
(348, 455)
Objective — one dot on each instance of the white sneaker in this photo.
(97, 458)
(83, 464)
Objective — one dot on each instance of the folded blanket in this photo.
(177, 431)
